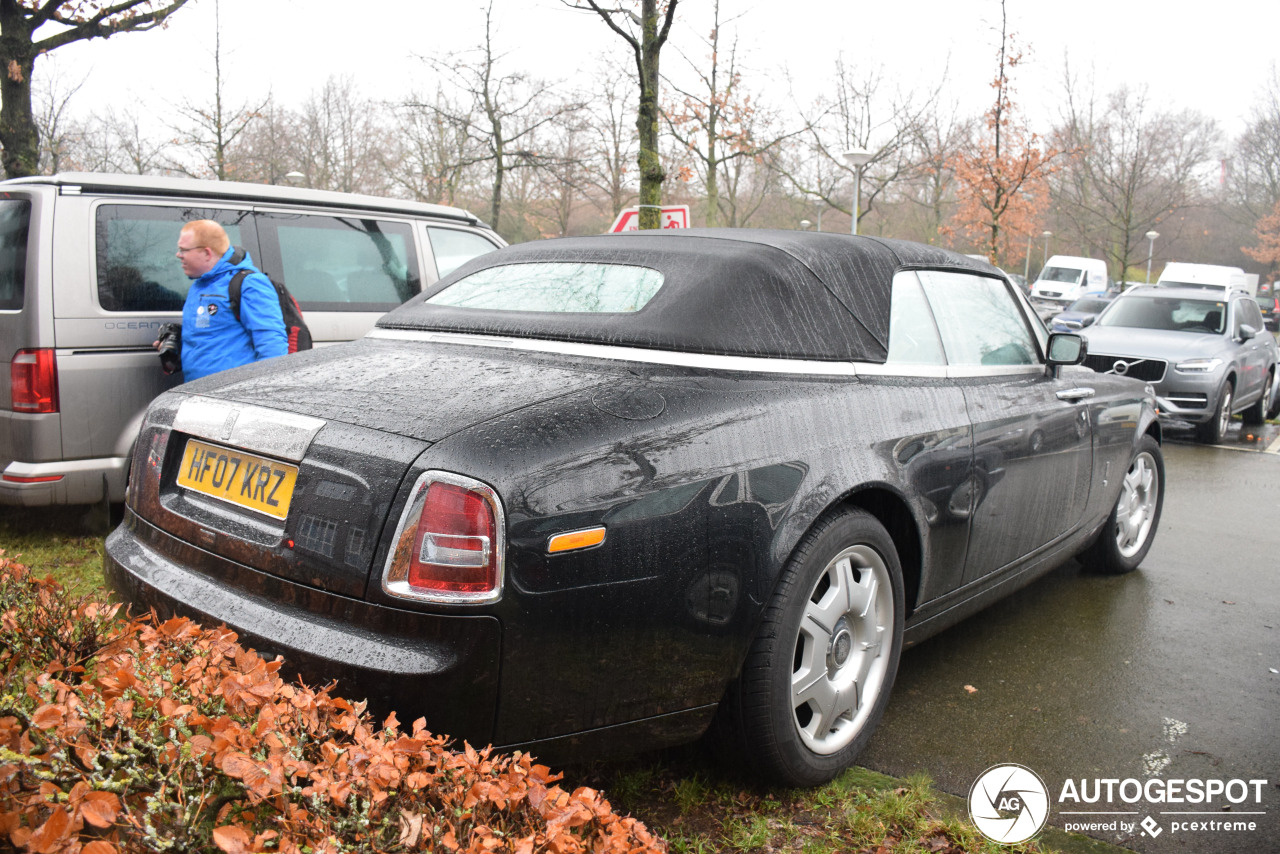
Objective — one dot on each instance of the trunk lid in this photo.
(293, 468)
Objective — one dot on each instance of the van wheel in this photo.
(817, 676)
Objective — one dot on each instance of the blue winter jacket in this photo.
(212, 339)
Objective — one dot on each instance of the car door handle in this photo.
(1074, 394)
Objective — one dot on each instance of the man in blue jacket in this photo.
(212, 339)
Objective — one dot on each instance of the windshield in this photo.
(558, 288)
(1060, 274)
(1178, 315)
(1089, 305)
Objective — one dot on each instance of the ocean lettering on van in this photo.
(132, 324)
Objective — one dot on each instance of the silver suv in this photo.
(1206, 352)
(88, 275)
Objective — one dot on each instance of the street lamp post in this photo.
(857, 158)
(1046, 234)
(1026, 266)
(1151, 250)
(804, 224)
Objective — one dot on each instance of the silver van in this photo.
(88, 274)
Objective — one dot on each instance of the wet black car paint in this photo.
(704, 480)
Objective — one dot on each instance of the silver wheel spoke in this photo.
(835, 602)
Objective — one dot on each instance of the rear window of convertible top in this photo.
(555, 287)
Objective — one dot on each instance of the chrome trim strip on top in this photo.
(760, 364)
(284, 435)
(628, 354)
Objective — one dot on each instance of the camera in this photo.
(170, 347)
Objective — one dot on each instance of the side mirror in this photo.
(1065, 348)
(1088, 321)
(1247, 332)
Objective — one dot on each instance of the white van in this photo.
(88, 275)
(1066, 278)
(1211, 276)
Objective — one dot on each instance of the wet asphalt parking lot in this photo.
(1168, 673)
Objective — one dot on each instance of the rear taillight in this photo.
(33, 381)
(449, 545)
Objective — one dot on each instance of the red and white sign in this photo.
(673, 216)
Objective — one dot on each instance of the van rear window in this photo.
(15, 223)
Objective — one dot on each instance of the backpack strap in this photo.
(233, 291)
(238, 255)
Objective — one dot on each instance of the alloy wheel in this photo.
(1136, 510)
(843, 649)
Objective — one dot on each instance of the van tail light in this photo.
(450, 542)
(33, 381)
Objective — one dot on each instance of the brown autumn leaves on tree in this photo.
(19, 47)
(1267, 232)
(1002, 186)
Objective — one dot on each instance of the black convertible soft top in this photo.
(740, 292)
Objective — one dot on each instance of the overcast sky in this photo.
(1214, 57)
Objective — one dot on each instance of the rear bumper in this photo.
(442, 667)
(63, 482)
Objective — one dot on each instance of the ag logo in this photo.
(1009, 803)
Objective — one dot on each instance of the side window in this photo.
(339, 263)
(981, 325)
(137, 268)
(1252, 316)
(453, 248)
(15, 222)
(913, 335)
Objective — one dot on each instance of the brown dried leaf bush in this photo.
(139, 736)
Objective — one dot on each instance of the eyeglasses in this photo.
(182, 251)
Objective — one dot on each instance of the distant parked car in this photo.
(1269, 305)
(1205, 352)
(1081, 313)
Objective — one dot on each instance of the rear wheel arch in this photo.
(891, 510)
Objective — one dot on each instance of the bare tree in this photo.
(501, 114)
(61, 135)
(646, 36)
(1254, 178)
(73, 20)
(120, 142)
(212, 128)
(430, 156)
(1128, 169)
(338, 143)
(717, 122)
(268, 150)
(859, 116)
(928, 192)
(613, 141)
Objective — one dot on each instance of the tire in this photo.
(1261, 409)
(1212, 431)
(830, 639)
(1126, 538)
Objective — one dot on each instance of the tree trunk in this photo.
(18, 133)
(651, 172)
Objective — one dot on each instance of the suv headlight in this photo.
(1198, 366)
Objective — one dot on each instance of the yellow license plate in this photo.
(241, 478)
